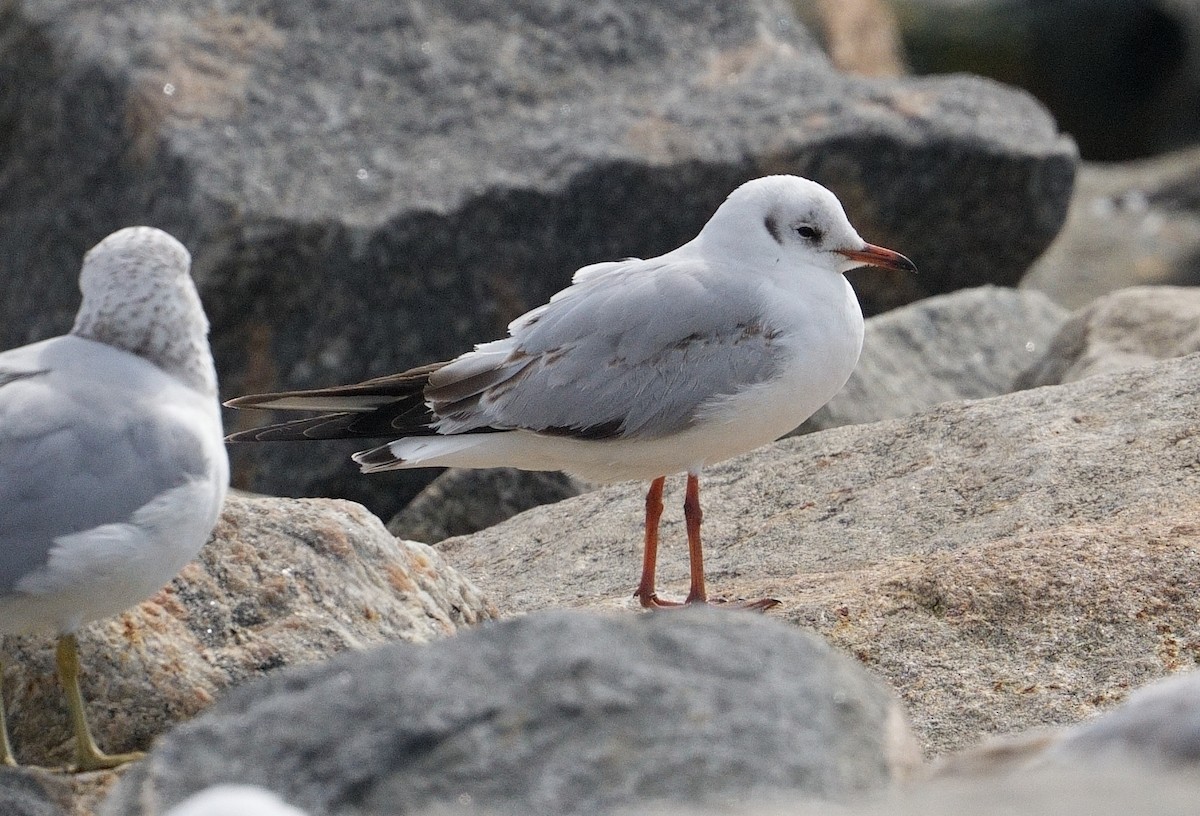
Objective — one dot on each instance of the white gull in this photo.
(112, 467)
(640, 368)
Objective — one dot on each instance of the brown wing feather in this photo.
(391, 406)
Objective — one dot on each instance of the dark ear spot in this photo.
(772, 225)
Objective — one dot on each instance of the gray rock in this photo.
(1128, 328)
(550, 713)
(1121, 76)
(1006, 563)
(967, 345)
(1129, 224)
(367, 187)
(1160, 725)
(463, 501)
(26, 792)
(282, 582)
(1058, 792)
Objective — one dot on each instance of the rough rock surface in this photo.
(966, 345)
(1011, 562)
(1129, 224)
(463, 501)
(1127, 328)
(280, 583)
(368, 187)
(549, 713)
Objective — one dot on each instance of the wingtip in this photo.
(240, 402)
(377, 459)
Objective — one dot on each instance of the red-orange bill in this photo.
(871, 255)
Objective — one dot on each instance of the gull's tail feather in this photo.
(374, 409)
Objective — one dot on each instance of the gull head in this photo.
(138, 296)
(788, 220)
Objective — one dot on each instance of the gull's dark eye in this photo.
(809, 233)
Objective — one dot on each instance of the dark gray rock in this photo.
(463, 501)
(967, 345)
(1130, 224)
(366, 187)
(550, 713)
(24, 792)
(1128, 328)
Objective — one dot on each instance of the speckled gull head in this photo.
(112, 467)
(639, 368)
(138, 296)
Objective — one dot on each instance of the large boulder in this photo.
(1005, 563)
(550, 713)
(367, 187)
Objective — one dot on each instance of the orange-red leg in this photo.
(654, 510)
(692, 516)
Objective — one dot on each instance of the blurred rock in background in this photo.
(1130, 224)
(1121, 76)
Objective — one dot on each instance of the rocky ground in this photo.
(987, 547)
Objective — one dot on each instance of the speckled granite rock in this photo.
(1006, 563)
(282, 582)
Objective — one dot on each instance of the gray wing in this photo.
(631, 351)
(77, 451)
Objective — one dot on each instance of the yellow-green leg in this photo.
(6, 753)
(88, 757)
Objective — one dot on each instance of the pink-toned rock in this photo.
(282, 582)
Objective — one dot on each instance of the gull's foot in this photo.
(97, 760)
(652, 601)
(761, 605)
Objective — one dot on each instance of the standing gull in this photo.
(640, 368)
(112, 468)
